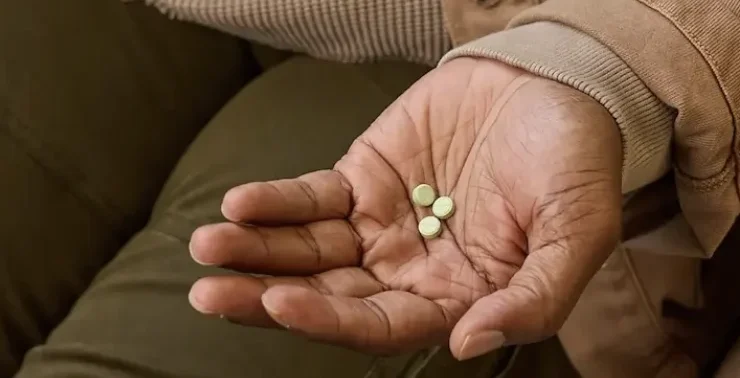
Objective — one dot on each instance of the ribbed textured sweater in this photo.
(348, 31)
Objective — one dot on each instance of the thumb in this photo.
(511, 316)
(541, 295)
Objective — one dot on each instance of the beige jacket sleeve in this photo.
(667, 70)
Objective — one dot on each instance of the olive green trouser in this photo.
(98, 101)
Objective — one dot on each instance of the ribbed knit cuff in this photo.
(563, 54)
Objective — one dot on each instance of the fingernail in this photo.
(191, 245)
(269, 306)
(267, 303)
(194, 297)
(225, 206)
(481, 343)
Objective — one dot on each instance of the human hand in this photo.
(534, 168)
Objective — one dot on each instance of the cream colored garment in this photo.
(343, 30)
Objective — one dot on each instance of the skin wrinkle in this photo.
(547, 293)
(467, 261)
(381, 286)
(366, 341)
(465, 126)
(557, 198)
(475, 151)
(448, 188)
(361, 214)
(308, 238)
(523, 146)
(317, 283)
(515, 259)
(427, 118)
(369, 145)
(277, 190)
(575, 187)
(449, 318)
(402, 272)
(493, 175)
(309, 191)
(413, 288)
(487, 252)
(451, 283)
(461, 246)
(347, 186)
(382, 316)
(357, 241)
(414, 285)
(446, 162)
(454, 318)
(493, 284)
(583, 190)
(484, 253)
(563, 208)
(457, 121)
(263, 237)
(338, 321)
(405, 265)
(509, 207)
(415, 155)
(423, 151)
(427, 150)
(428, 146)
(493, 287)
(582, 216)
(467, 157)
(368, 243)
(562, 245)
(545, 323)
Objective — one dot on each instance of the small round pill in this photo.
(443, 207)
(430, 227)
(423, 195)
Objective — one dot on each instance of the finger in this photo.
(295, 250)
(388, 322)
(312, 197)
(536, 303)
(233, 297)
(238, 298)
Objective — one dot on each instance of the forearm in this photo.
(342, 30)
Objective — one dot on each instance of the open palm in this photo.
(534, 170)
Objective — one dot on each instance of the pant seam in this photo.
(93, 203)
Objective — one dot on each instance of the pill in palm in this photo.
(430, 227)
(443, 207)
(423, 195)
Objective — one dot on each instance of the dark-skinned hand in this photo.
(534, 168)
